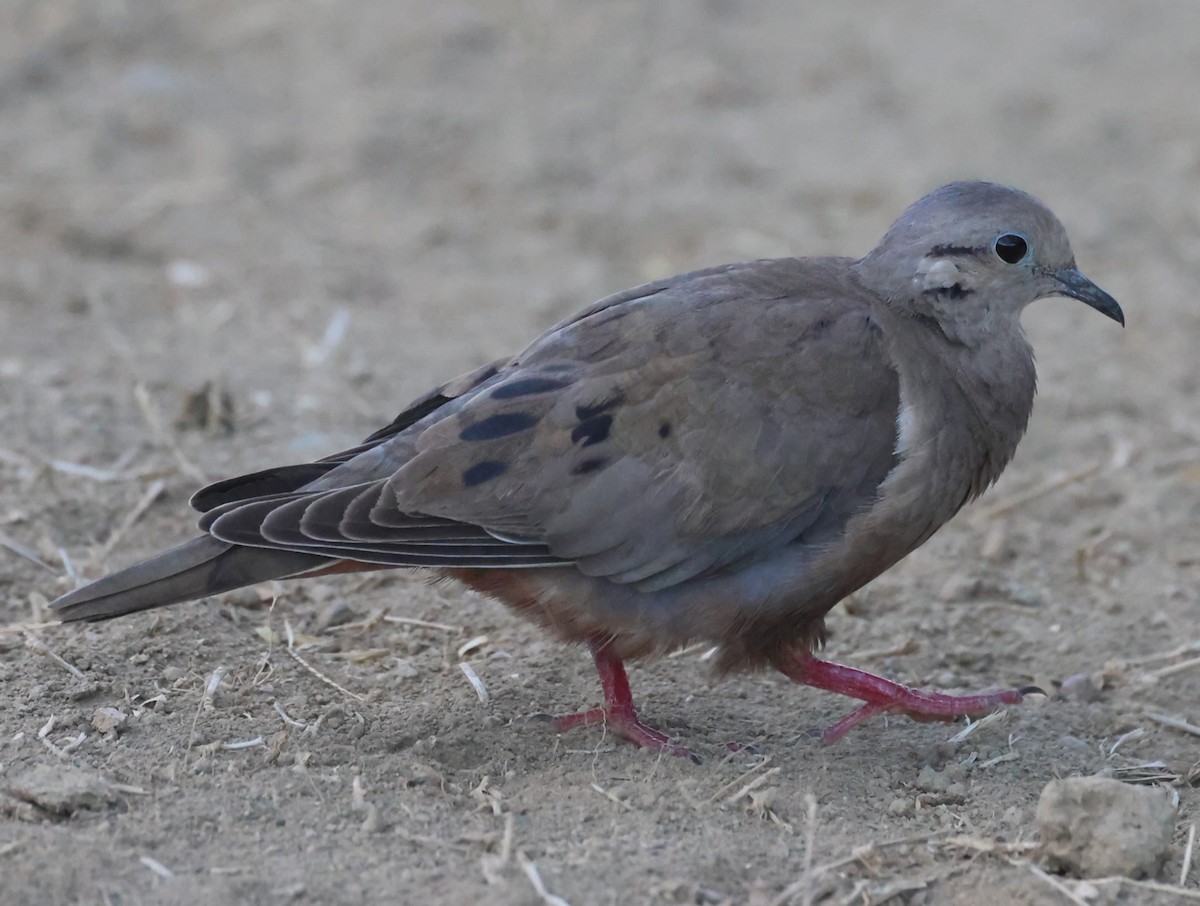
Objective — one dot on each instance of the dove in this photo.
(716, 457)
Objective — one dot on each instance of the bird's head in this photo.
(972, 255)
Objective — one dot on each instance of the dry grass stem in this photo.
(1189, 648)
(535, 878)
(63, 752)
(810, 844)
(154, 422)
(470, 645)
(157, 867)
(981, 845)
(610, 796)
(1057, 483)
(996, 716)
(911, 646)
(473, 678)
(68, 566)
(1055, 883)
(860, 853)
(24, 628)
(751, 786)
(210, 687)
(1175, 723)
(1122, 453)
(999, 759)
(12, 544)
(295, 655)
(151, 494)
(331, 338)
(1189, 664)
(92, 473)
(1135, 733)
(1188, 851)
(424, 624)
(287, 718)
(244, 744)
(1182, 893)
(1148, 772)
(129, 789)
(20, 460)
(206, 701)
(721, 790)
(36, 644)
(493, 863)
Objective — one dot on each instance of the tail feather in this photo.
(196, 569)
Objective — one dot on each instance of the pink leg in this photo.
(618, 712)
(882, 696)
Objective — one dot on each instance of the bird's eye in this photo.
(1011, 248)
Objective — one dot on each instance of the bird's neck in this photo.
(962, 413)
(966, 406)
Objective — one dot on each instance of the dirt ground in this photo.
(235, 234)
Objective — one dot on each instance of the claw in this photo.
(883, 696)
(618, 714)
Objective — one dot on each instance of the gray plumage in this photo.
(718, 456)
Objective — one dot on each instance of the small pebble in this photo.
(372, 823)
(932, 781)
(961, 588)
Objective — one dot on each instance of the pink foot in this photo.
(882, 696)
(618, 714)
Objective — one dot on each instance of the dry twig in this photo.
(535, 878)
(12, 544)
(1175, 723)
(295, 655)
(32, 641)
(144, 502)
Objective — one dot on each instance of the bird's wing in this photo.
(283, 480)
(668, 432)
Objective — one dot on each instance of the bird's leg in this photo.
(882, 696)
(618, 713)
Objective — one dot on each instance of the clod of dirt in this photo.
(336, 614)
(1097, 827)
(109, 721)
(1081, 687)
(207, 408)
(62, 791)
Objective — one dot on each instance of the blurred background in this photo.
(383, 194)
(234, 233)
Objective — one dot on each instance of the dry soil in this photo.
(238, 233)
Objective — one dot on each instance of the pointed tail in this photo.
(197, 569)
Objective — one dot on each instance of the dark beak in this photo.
(1077, 286)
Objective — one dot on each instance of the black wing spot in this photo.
(592, 431)
(819, 328)
(664, 430)
(483, 471)
(527, 387)
(409, 416)
(954, 291)
(583, 413)
(501, 425)
(595, 464)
